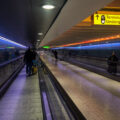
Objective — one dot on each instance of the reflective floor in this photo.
(22, 100)
(96, 96)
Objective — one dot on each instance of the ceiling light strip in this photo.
(10, 41)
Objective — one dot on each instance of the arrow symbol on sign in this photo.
(97, 16)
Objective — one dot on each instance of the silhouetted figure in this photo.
(55, 54)
(28, 58)
(112, 63)
(34, 54)
(35, 62)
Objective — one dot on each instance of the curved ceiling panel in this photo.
(72, 13)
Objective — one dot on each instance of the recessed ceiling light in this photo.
(40, 33)
(38, 40)
(49, 7)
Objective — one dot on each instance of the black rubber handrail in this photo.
(10, 61)
(6, 84)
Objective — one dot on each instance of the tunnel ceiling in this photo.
(72, 13)
(86, 30)
(22, 20)
(84, 33)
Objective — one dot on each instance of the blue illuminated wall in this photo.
(95, 50)
(9, 49)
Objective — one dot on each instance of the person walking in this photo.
(112, 63)
(35, 61)
(34, 54)
(56, 54)
(28, 57)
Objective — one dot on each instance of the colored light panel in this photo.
(46, 47)
(10, 47)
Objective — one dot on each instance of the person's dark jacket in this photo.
(28, 57)
(112, 60)
(55, 54)
(34, 54)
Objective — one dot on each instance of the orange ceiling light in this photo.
(92, 41)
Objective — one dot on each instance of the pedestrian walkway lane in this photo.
(22, 100)
(97, 97)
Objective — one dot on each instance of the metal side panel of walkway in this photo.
(97, 97)
(22, 101)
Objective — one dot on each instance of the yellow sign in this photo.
(105, 19)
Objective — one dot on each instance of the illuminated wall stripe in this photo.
(93, 47)
(92, 41)
(12, 42)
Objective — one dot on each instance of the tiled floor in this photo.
(22, 100)
(97, 97)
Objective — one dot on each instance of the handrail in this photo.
(10, 61)
(94, 58)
